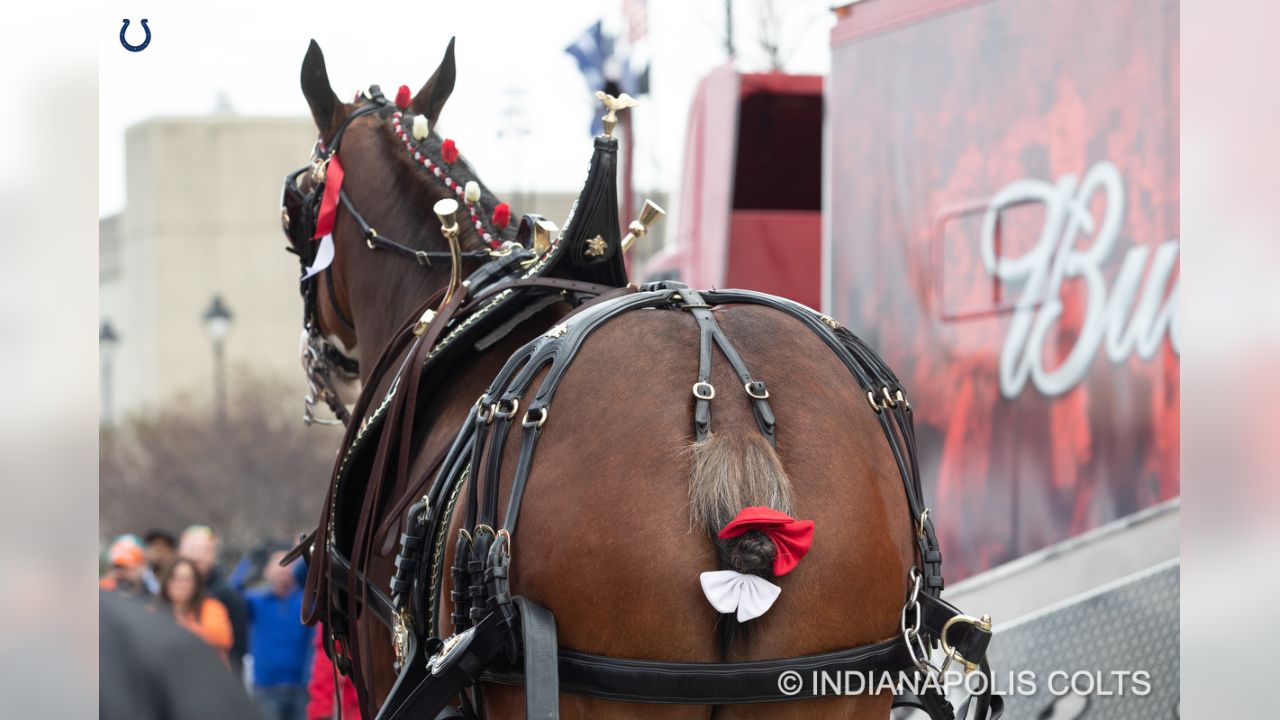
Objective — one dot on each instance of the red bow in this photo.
(790, 536)
(329, 203)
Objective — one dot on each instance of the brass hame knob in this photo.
(639, 227)
(446, 210)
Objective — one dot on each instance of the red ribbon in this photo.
(329, 203)
(790, 536)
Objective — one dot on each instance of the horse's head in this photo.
(359, 217)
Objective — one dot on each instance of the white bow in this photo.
(729, 590)
(324, 256)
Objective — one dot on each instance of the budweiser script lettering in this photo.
(1129, 317)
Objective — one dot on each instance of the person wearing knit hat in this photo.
(127, 566)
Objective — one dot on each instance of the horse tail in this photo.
(732, 471)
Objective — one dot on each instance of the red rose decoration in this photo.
(403, 97)
(502, 215)
(449, 150)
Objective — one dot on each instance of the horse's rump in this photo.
(621, 504)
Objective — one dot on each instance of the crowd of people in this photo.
(251, 617)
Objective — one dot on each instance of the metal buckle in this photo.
(747, 387)
(423, 258)
(424, 321)
(888, 399)
(485, 413)
(542, 418)
(506, 414)
(704, 390)
(453, 647)
(369, 235)
(920, 523)
(983, 623)
(871, 398)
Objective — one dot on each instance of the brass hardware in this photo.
(649, 214)
(888, 399)
(902, 398)
(368, 238)
(613, 105)
(871, 398)
(829, 321)
(400, 635)
(424, 321)
(542, 418)
(558, 331)
(920, 523)
(504, 414)
(284, 218)
(747, 387)
(704, 390)
(446, 210)
(595, 247)
(506, 545)
(543, 231)
(484, 526)
(982, 623)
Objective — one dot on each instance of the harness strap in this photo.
(709, 333)
(542, 672)
(708, 683)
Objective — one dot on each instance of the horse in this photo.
(626, 503)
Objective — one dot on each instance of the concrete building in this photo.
(203, 219)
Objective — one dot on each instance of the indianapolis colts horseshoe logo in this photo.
(125, 42)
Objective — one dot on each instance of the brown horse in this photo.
(622, 506)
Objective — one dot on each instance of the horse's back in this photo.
(605, 539)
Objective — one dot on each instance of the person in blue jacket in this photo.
(278, 641)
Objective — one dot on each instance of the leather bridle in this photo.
(300, 212)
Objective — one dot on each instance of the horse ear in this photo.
(431, 98)
(316, 89)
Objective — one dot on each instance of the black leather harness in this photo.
(502, 638)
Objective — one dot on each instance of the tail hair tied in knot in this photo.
(750, 595)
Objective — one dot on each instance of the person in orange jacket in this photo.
(183, 591)
(321, 688)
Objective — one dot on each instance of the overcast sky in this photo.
(510, 55)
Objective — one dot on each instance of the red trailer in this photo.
(749, 212)
(996, 191)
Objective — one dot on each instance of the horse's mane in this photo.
(461, 171)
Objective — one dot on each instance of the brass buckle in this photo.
(763, 396)
(983, 623)
(506, 414)
(871, 398)
(542, 418)
(704, 390)
(368, 238)
(920, 523)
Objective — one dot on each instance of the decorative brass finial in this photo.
(649, 214)
(445, 210)
(613, 105)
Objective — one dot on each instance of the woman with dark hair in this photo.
(183, 590)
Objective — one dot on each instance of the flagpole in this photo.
(628, 154)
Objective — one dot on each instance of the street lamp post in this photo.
(107, 342)
(217, 323)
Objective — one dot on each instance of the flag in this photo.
(590, 50)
